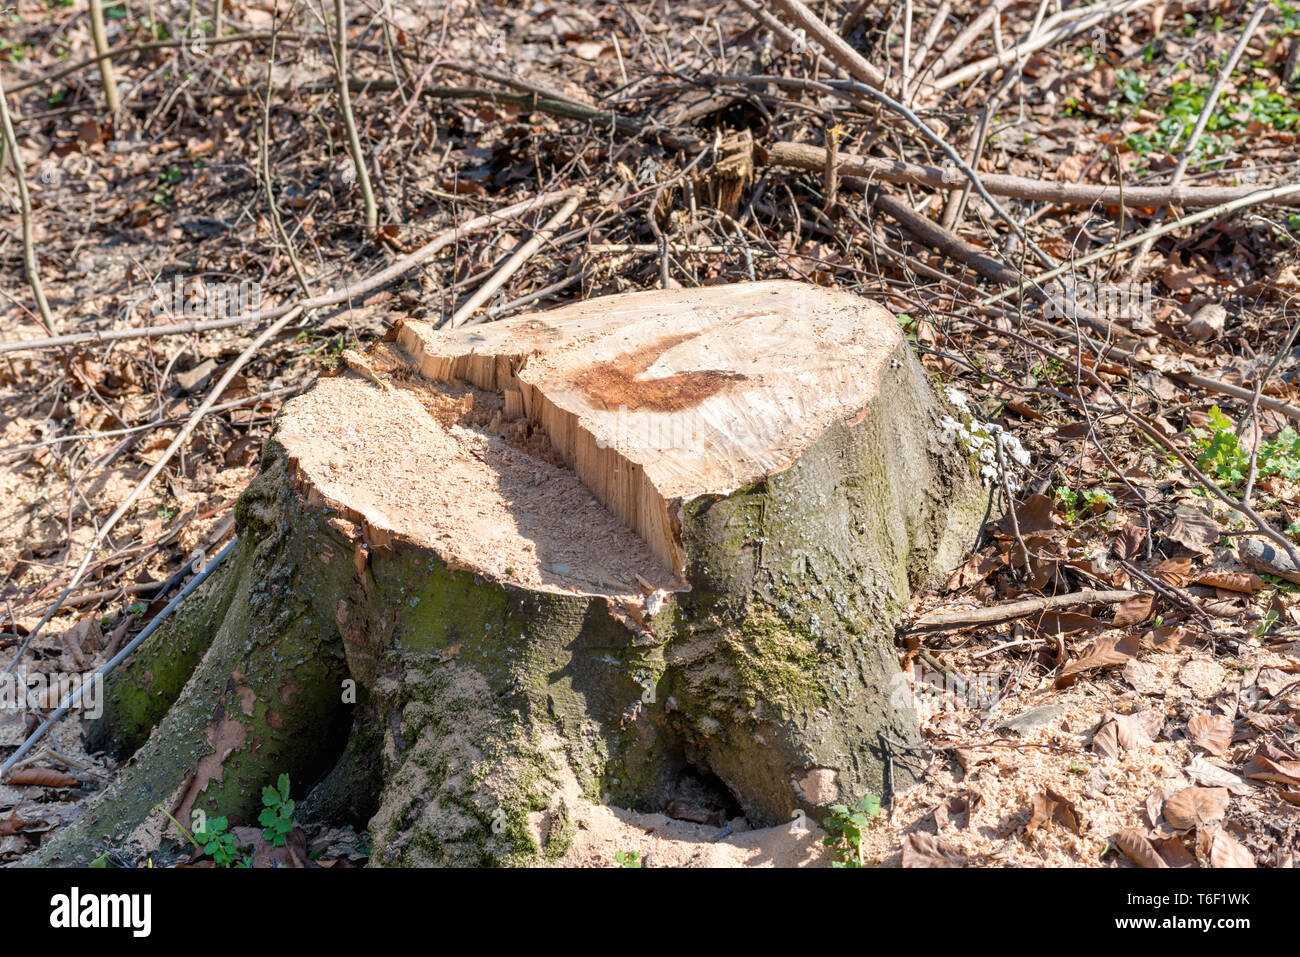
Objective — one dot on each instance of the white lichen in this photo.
(980, 440)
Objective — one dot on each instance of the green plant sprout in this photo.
(845, 827)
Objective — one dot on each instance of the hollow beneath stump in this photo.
(489, 575)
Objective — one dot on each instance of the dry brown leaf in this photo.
(1104, 652)
(1129, 540)
(1265, 722)
(1194, 530)
(1225, 851)
(43, 778)
(1200, 770)
(1173, 571)
(1034, 514)
(925, 850)
(1174, 852)
(1139, 850)
(1133, 611)
(1167, 639)
(1262, 768)
(1211, 732)
(1051, 807)
(1224, 578)
(13, 824)
(1119, 733)
(1196, 807)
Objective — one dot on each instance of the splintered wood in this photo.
(534, 448)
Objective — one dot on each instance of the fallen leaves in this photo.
(926, 850)
(1203, 772)
(1119, 733)
(1052, 807)
(1134, 843)
(1228, 580)
(1196, 807)
(1268, 765)
(1194, 530)
(43, 778)
(1106, 651)
(1213, 733)
(1225, 851)
(1133, 611)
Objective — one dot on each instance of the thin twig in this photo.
(513, 264)
(25, 207)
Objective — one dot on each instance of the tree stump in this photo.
(489, 574)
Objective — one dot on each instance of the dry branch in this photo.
(100, 38)
(835, 46)
(25, 207)
(1055, 29)
(813, 158)
(513, 264)
(1009, 611)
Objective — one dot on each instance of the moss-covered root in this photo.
(139, 693)
(265, 699)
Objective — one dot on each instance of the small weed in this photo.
(627, 858)
(845, 827)
(1221, 455)
(1271, 618)
(277, 812)
(219, 844)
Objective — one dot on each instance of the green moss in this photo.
(776, 662)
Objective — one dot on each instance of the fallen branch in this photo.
(1277, 193)
(97, 679)
(124, 51)
(25, 208)
(845, 89)
(340, 50)
(813, 158)
(835, 46)
(513, 264)
(99, 36)
(101, 533)
(568, 109)
(1207, 110)
(1009, 611)
(1048, 35)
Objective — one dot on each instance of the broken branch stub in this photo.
(566, 558)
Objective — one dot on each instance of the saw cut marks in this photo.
(439, 467)
(655, 398)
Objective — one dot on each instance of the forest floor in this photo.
(1146, 409)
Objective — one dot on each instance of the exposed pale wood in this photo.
(655, 398)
